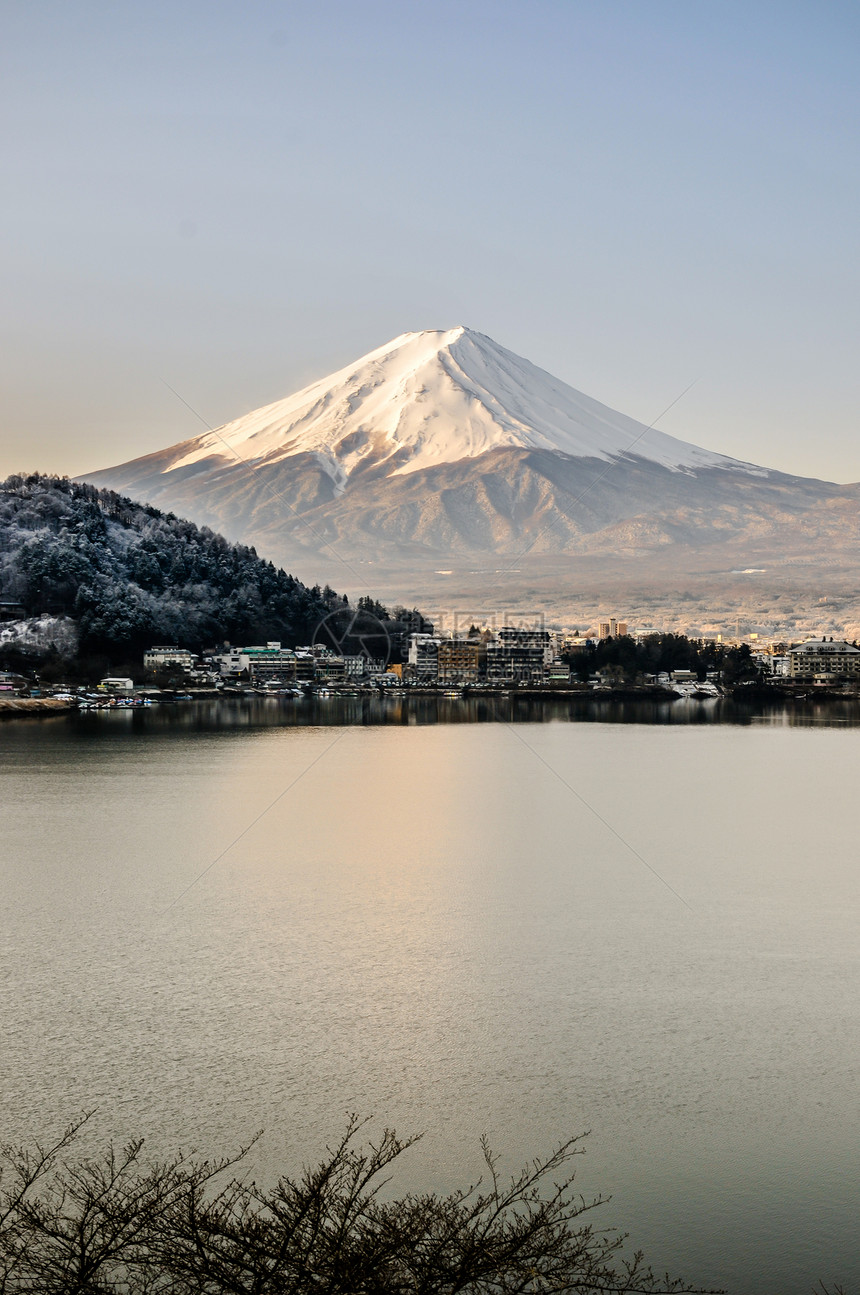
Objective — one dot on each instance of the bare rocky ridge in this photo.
(445, 452)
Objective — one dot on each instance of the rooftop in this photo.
(827, 645)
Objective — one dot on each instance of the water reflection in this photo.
(211, 715)
(445, 928)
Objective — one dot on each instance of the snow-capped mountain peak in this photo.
(429, 398)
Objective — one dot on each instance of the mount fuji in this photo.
(430, 398)
(444, 449)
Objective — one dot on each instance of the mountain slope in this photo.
(128, 576)
(444, 448)
(430, 398)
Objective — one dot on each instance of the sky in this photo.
(237, 199)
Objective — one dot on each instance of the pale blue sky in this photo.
(238, 198)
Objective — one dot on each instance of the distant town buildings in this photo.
(508, 657)
(511, 656)
(611, 629)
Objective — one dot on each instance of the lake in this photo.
(458, 917)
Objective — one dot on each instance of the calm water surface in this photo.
(221, 918)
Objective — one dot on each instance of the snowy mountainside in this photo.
(443, 448)
(430, 398)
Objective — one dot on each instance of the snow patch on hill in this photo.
(42, 632)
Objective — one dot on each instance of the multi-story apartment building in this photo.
(374, 666)
(611, 629)
(515, 663)
(330, 669)
(519, 656)
(271, 662)
(262, 663)
(232, 663)
(160, 658)
(823, 660)
(423, 657)
(459, 660)
(355, 666)
(509, 637)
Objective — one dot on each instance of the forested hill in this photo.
(131, 576)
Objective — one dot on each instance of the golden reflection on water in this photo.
(429, 926)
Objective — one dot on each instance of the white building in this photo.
(271, 662)
(117, 686)
(823, 660)
(261, 663)
(354, 666)
(423, 656)
(233, 663)
(159, 658)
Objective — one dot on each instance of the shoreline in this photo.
(17, 707)
(42, 707)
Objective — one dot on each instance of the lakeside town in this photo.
(612, 659)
